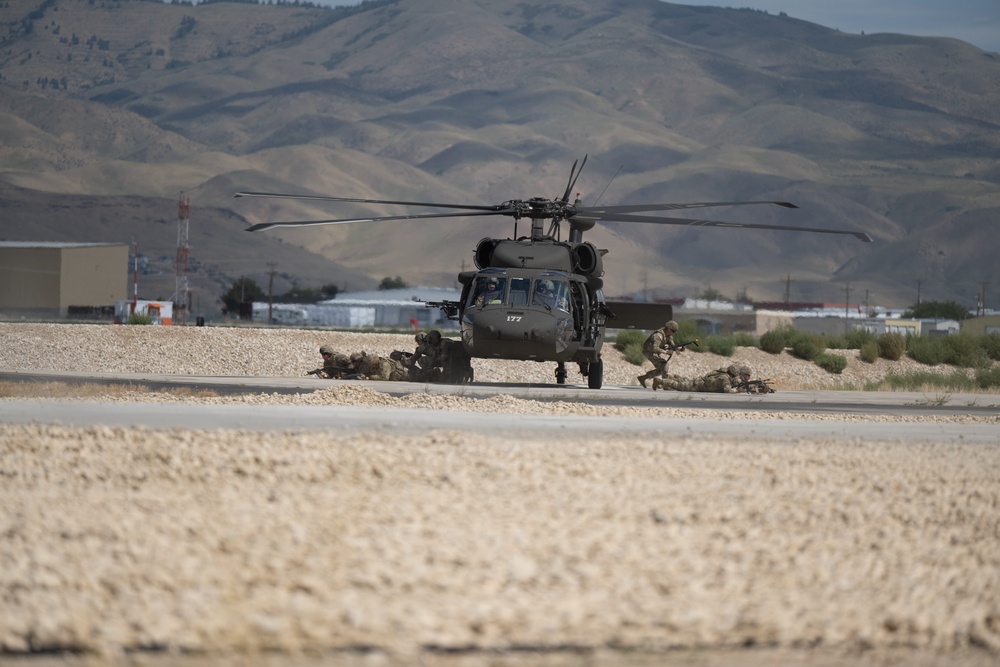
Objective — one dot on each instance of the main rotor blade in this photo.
(274, 195)
(600, 210)
(308, 223)
(716, 223)
(572, 179)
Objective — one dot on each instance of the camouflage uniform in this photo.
(430, 359)
(374, 367)
(653, 349)
(720, 381)
(674, 382)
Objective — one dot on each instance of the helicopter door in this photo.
(579, 310)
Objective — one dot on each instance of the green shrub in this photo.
(687, 330)
(808, 346)
(891, 346)
(869, 351)
(722, 345)
(963, 350)
(988, 378)
(773, 341)
(836, 343)
(629, 343)
(857, 337)
(633, 354)
(627, 337)
(991, 345)
(832, 363)
(744, 339)
(926, 350)
(139, 318)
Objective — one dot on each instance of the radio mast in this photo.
(182, 294)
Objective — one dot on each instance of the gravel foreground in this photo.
(183, 547)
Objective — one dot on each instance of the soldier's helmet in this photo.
(671, 326)
(434, 337)
(420, 337)
(341, 360)
(548, 285)
(738, 369)
(326, 349)
(357, 356)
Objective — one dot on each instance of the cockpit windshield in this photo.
(551, 293)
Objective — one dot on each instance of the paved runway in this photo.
(870, 406)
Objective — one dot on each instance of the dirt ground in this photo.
(441, 549)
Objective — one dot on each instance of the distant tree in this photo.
(945, 310)
(309, 295)
(743, 297)
(392, 283)
(243, 289)
(711, 294)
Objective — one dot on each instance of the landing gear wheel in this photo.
(561, 373)
(595, 374)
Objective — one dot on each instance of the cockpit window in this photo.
(488, 290)
(519, 288)
(550, 293)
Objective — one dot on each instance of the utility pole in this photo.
(847, 307)
(788, 292)
(270, 289)
(919, 282)
(982, 297)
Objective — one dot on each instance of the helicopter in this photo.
(537, 297)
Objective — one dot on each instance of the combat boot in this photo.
(657, 383)
(642, 380)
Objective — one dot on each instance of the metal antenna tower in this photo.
(182, 293)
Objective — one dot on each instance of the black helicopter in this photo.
(537, 297)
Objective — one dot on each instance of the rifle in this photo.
(339, 373)
(756, 386)
(681, 346)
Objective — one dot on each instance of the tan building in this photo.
(53, 279)
(987, 324)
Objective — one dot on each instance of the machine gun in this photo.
(450, 308)
(755, 386)
(339, 373)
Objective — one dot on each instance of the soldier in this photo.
(489, 290)
(658, 343)
(431, 359)
(329, 364)
(374, 367)
(722, 380)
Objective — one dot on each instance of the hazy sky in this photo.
(973, 21)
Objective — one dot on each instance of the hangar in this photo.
(61, 279)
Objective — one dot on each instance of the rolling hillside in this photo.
(125, 103)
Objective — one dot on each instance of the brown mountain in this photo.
(475, 101)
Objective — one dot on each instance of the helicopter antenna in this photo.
(620, 167)
(572, 179)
